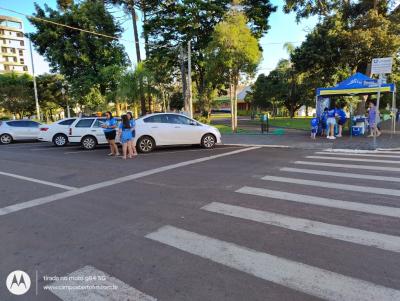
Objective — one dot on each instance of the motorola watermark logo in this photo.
(18, 282)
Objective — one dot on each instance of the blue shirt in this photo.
(331, 113)
(109, 123)
(126, 133)
(342, 114)
(314, 122)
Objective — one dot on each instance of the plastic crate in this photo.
(357, 130)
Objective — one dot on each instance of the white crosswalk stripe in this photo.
(359, 154)
(366, 189)
(357, 236)
(326, 202)
(77, 286)
(340, 174)
(298, 276)
(352, 166)
(354, 159)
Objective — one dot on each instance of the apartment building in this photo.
(13, 51)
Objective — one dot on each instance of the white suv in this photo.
(87, 131)
(57, 132)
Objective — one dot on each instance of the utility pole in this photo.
(34, 83)
(184, 82)
(190, 80)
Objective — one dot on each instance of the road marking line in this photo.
(358, 154)
(366, 167)
(332, 203)
(360, 151)
(113, 288)
(258, 145)
(366, 189)
(341, 174)
(295, 275)
(37, 181)
(353, 159)
(353, 235)
(81, 190)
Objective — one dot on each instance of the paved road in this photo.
(233, 223)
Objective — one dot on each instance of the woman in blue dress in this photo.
(133, 127)
(125, 132)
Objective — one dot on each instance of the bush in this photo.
(202, 119)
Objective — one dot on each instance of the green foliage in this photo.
(50, 97)
(85, 60)
(171, 24)
(232, 52)
(94, 101)
(260, 95)
(16, 94)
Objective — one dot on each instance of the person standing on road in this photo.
(342, 118)
(373, 120)
(133, 127)
(314, 127)
(324, 126)
(110, 131)
(125, 132)
(331, 122)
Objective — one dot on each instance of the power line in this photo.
(68, 26)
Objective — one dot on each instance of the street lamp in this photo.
(63, 94)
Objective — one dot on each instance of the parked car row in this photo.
(153, 130)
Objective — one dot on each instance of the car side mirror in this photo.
(193, 123)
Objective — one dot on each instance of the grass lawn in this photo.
(226, 129)
(300, 123)
(220, 115)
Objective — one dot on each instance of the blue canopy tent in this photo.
(357, 84)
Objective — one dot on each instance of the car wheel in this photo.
(6, 139)
(145, 144)
(208, 141)
(60, 140)
(89, 142)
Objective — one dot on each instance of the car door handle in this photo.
(94, 131)
(154, 127)
(177, 127)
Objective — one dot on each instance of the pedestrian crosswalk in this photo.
(381, 181)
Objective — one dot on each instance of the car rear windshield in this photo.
(84, 123)
(67, 122)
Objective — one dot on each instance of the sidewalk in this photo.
(302, 140)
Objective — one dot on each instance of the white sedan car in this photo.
(161, 129)
(12, 130)
(164, 129)
(57, 132)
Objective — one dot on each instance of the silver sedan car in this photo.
(12, 130)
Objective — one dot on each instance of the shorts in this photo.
(314, 129)
(342, 121)
(133, 133)
(324, 125)
(331, 121)
(110, 135)
(125, 139)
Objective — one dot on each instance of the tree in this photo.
(232, 52)
(259, 95)
(16, 94)
(171, 24)
(84, 59)
(51, 99)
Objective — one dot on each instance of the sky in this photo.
(283, 29)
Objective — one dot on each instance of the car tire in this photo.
(88, 142)
(6, 139)
(60, 140)
(145, 144)
(208, 141)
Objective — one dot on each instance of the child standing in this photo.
(125, 132)
(314, 126)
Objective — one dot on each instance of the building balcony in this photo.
(8, 37)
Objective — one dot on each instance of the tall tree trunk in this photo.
(138, 57)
